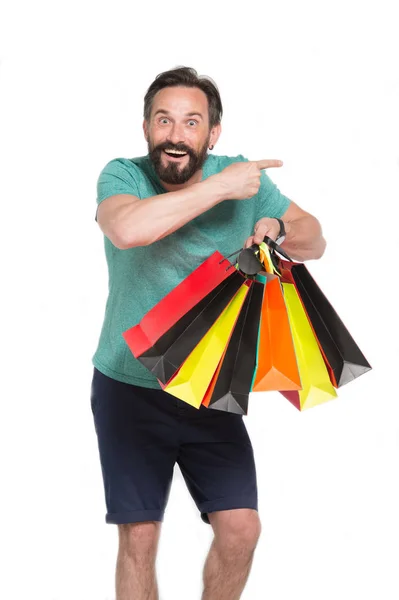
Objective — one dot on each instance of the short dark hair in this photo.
(186, 77)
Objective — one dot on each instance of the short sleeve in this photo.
(119, 176)
(271, 202)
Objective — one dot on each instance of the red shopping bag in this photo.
(185, 296)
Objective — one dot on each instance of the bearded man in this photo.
(162, 215)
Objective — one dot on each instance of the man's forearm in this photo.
(304, 240)
(152, 219)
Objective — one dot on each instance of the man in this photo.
(162, 215)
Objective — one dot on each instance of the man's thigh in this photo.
(217, 461)
(138, 444)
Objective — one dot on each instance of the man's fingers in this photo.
(249, 242)
(266, 164)
(260, 233)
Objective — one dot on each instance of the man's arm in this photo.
(129, 221)
(304, 238)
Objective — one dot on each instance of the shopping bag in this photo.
(316, 385)
(184, 297)
(169, 352)
(344, 359)
(276, 367)
(262, 277)
(231, 385)
(194, 376)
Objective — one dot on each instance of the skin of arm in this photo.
(128, 221)
(304, 237)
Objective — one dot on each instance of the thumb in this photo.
(249, 242)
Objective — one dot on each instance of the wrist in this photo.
(217, 188)
(288, 228)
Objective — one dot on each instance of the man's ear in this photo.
(215, 134)
(145, 129)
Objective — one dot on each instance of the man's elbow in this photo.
(123, 243)
(124, 239)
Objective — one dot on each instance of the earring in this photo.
(211, 147)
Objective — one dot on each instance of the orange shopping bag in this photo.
(277, 367)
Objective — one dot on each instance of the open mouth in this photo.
(175, 154)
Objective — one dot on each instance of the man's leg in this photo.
(135, 567)
(230, 557)
(138, 436)
(217, 462)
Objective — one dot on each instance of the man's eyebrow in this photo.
(166, 112)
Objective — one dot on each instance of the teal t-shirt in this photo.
(140, 277)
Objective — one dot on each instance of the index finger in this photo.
(266, 164)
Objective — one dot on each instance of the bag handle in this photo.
(272, 244)
(248, 258)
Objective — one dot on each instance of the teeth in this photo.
(180, 152)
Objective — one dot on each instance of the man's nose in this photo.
(176, 134)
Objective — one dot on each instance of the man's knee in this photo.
(236, 529)
(139, 540)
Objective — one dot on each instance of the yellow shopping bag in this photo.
(193, 378)
(316, 385)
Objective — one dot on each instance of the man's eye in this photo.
(192, 122)
(164, 120)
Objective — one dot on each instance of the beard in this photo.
(174, 173)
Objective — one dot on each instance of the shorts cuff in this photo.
(229, 503)
(135, 516)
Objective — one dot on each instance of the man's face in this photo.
(178, 133)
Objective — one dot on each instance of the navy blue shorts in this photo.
(143, 432)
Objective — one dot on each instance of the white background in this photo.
(315, 84)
